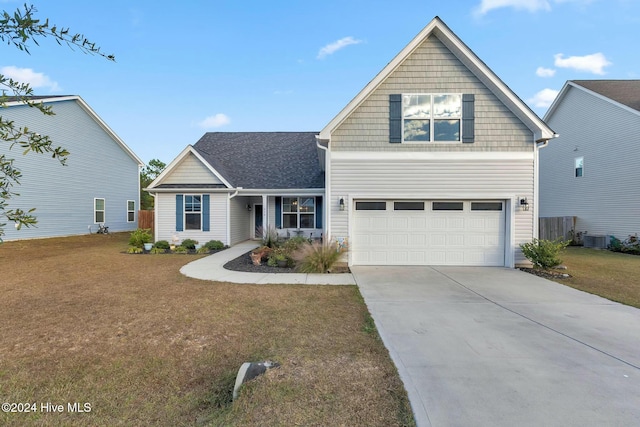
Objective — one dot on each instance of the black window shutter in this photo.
(179, 212)
(395, 118)
(319, 212)
(468, 117)
(278, 212)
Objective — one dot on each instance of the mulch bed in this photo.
(244, 263)
(547, 274)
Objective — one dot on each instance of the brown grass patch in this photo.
(612, 275)
(83, 322)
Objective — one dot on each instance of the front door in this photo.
(257, 220)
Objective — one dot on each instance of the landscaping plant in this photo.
(139, 237)
(544, 253)
(190, 244)
(214, 245)
(317, 257)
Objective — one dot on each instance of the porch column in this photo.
(265, 213)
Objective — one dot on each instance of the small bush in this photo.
(214, 245)
(140, 236)
(270, 237)
(293, 244)
(317, 257)
(161, 244)
(203, 250)
(180, 250)
(189, 244)
(156, 250)
(544, 253)
(278, 255)
(134, 250)
(631, 245)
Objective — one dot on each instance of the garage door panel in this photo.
(428, 237)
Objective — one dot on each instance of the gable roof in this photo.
(625, 93)
(13, 101)
(263, 160)
(440, 30)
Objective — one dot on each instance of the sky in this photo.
(186, 67)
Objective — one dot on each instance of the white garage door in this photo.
(429, 232)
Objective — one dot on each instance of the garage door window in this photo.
(408, 206)
(486, 206)
(447, 206)
(371, 206)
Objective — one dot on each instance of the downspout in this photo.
(327, 194)
(539, 144)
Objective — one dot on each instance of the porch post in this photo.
(265, 210)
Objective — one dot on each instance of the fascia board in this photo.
(463, 53)
(188, 150)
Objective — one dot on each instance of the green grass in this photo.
(611, 275)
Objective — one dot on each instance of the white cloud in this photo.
(27, 75)
(528, 5)
(544, 98)
(336, 46)
(215, 121)
(545, 72)
(593, 63)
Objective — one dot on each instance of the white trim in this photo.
(438, 28)
(134, 211)
(431, 155)
(188, 150)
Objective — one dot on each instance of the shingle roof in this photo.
(626, 92)
(262, 160)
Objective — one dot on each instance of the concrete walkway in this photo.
(211, 268)
(500, 347)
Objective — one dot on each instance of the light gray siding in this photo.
(432, 68)
(606, 199)
(240, 219)
(98, 167)
(191, 171)
(165, 206)
(434, 179)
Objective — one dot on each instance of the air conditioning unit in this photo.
(595, 242)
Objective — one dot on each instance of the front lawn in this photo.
(612, 275)
(83, 322)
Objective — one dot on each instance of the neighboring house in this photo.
(427, 165)
(98, 185)
(591, 170)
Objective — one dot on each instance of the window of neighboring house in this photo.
(131, 210)
(431, 117)
(579, 166)
(298, 212)
(192, 212)
(98, 211)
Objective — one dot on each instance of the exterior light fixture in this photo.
(341, 203)
(249, 208)
(524, 203)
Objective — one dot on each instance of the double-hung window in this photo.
(99, 208)
(579, 166)
(131, 210)
(193, 212)
(431, 117)
(298, 212)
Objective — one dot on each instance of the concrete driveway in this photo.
(500, 347)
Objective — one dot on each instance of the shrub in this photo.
(293, 244)
(140, 236)
(156, 250)
(161, 244)
(180, 250)
(134, 250)
(544, 253)
(277, 255)
(214, 245)
(317, 257)
(189, 244)
(203, 250)
(270, 237)
(631, 245)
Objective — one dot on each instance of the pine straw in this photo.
(83, 322)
